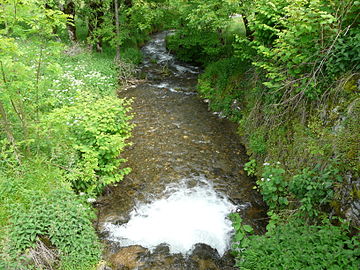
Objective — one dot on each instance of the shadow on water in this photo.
(179, 147)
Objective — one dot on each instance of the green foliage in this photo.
(132, 55)
(273, 187)
(25, 18)
(198, 47)
(137, 19)
(37, 204)
(314, 188)
(257, 143)
(299, 246)
(347, 143)
(250, 167)
(346, 53)
(224, 85)
(86, 139)
(76, 73)
(198, 37)
(64, 220)
(294, 43)
(241, 233)
(62, 128)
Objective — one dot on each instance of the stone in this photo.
(128, 257)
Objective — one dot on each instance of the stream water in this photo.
(171, 211)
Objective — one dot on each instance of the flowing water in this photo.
(171, 211)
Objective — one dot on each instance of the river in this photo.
(187, 175)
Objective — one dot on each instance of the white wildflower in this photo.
(91, 200)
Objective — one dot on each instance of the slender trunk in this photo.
(117, 24)
(95, 22)
(69, 9)
(37, 83)
(6, 126)
(5, 123)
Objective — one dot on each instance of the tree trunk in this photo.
(117, 24)
(95, 21)
(69, 9)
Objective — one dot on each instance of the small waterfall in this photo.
(183, 217)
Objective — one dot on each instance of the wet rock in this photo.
(128, 257)
(228, 261)
(205, 257)
(205, 252)
(102, 266)
(162, 249)
(161, 259)
(122, 220)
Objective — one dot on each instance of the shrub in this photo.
(223, 84)
(37, 205)
(132, 55)
(314, 188)
(86, 139)
(199, 47)
(63, 220)
(299, 246)
(273, 187)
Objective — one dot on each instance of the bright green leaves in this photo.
(64, 220)
(273, 187)
(95, 131)
(27, 17)
(205, 31)
(314, 188)
(250, 167)
(294, 42)
(299, 246)
(309, 191)
(241, 233)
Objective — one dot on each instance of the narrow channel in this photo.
(187, 175)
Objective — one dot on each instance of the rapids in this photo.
(187, 175)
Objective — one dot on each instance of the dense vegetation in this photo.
(62, 130)
(286, 71)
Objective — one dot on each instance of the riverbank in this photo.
(53, 169)
(281, 75)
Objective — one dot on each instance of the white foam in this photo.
(181, 219)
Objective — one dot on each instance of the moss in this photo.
(351, 85)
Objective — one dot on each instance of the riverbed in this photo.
(187, 175)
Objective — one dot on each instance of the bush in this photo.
(132, 55)
(62, 219)
(314, 188)
(273, 187)
(197, 46)
(38, 206)
(223, 84)
(299, 246)
(86, 139)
